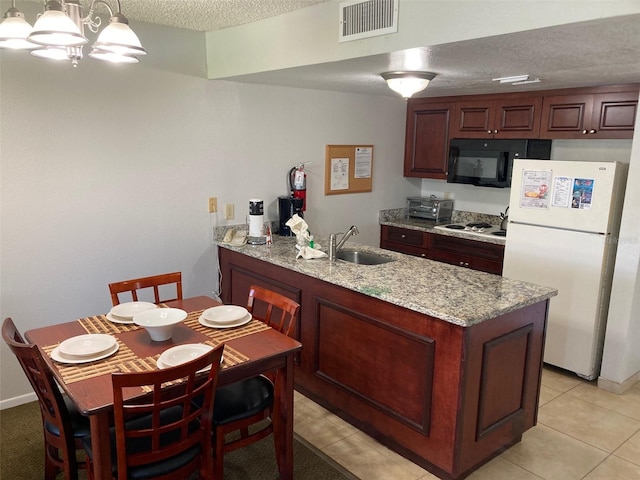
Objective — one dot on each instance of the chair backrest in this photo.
(154, 282)
(167, 422)
(274, 309)
(52, 406)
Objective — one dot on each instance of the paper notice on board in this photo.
(561, 196)
(535, 188)
(363, 162)
(339, 173)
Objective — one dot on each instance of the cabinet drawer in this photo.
(402, 235)
(468, 248)
(402, 248)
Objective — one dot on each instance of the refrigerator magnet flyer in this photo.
(562, 192)
(535, 188)
(582, 193)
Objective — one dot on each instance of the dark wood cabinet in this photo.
(427, 138)
(403, 240)
(446, 396)
(482, 256)
(474, 254)
(587, 115)
(491, 117)
(593, 112)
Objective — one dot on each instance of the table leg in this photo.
(283, 420)
(101, 445)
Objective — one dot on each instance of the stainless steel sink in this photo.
(362, 258)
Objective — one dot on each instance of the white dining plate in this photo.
(62, 358)
(88, 345)
(206, 323)
(129, 309)
(224, 314)
(180, 354)
(115, 319)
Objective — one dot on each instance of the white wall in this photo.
(621, 355)
(106, 172)
(310, 35)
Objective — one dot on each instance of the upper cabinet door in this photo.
(602, 115)
(426, 151)
(501, 118)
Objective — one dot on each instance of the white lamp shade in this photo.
(54, 28)
(52, 53)
(112, 57)
(14, 32)
(407, 86)
(119, 39)
(408, 83)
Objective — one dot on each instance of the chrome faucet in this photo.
(335, 246)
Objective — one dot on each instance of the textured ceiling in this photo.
(208, 15)
(604, 51)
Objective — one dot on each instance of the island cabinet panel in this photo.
(501, 393)
(364, 367)
(448, 397)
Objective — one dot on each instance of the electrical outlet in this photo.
(213, 204)
(229, 211)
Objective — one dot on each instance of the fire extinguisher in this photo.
(298, 184)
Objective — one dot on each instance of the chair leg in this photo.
(219, 455)
(50, 468)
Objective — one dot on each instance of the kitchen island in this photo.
(438, 362)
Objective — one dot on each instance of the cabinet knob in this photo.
(584, 132)
(489, 131)
(592, 131)
(464, 264)
(495, 131)
(423, 255)
(403, 236)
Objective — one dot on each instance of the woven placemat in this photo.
(124, 360)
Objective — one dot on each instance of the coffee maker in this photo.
(287, 208)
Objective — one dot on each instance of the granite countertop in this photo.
(454, 294)
(398, 218)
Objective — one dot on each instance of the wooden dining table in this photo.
(250, 350)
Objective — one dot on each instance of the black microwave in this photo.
(488, 163)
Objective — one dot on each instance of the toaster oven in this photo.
(436, 209)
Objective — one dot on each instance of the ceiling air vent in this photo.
(370, 18)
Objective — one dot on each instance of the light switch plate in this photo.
(229, 211)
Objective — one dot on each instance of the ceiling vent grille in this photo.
(370, 18)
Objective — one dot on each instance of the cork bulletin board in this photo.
(348, 169)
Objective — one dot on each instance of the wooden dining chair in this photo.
(249, 402)
(164, 435)
(63, 426)
(133, 286)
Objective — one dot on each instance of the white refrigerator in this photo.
(563, 228)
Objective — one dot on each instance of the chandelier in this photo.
(58, 33)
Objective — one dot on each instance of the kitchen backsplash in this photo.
(459, 216)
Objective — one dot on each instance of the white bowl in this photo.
(184, 353)
(225, 314)
(160, 322)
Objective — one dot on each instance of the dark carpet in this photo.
(22, 453)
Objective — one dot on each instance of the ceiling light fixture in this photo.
(58, 33)
(407, 83)
(517, 79)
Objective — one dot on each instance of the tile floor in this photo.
(583, 432)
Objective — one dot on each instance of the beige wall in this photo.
(105, 174)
